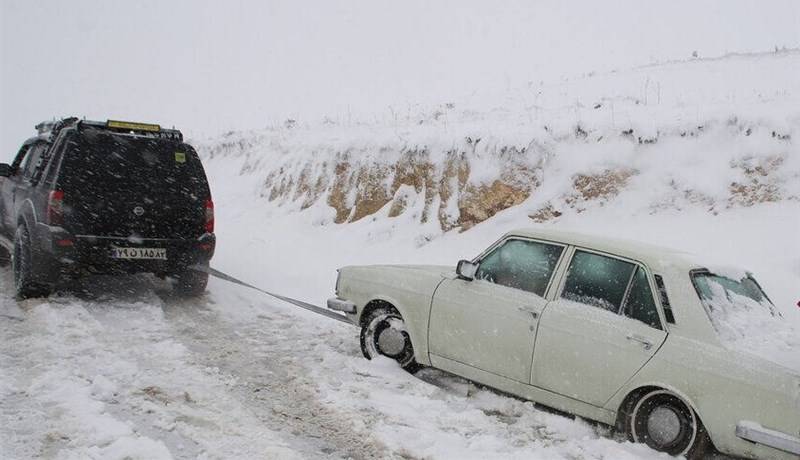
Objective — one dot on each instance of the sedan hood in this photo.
(442, 270)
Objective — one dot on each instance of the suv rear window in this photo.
(100, 161)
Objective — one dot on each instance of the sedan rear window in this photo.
(745, 319)
(723, 293)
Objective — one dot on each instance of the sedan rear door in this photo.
(601, 330)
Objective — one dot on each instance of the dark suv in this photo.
(105, 197)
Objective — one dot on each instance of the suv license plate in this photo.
(139, 253)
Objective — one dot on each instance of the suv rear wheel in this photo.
(22, 265)
(190, 283)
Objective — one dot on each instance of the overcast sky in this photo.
(210, 66)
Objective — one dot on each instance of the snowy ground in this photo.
(120, 369)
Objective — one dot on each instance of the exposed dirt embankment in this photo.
(461, 183)
(357, 188)
(356, 182)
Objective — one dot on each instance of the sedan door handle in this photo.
(641, 340)
(529, 310)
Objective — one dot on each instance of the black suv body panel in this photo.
(119, 189)
(126, 186)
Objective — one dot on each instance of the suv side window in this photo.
(21, 156)
(597, 280)
(32, 163)
(640, 304)
(56, 154)
(520, 264)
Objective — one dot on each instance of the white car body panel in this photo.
(589, 366)
(488, 326)
(595, 356)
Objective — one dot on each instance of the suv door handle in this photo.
(641, 340)
(529, 310)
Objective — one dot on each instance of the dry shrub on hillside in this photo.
(760, 185)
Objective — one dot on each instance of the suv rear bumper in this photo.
(68, 255)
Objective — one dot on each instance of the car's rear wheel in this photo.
(190, 283)
(25, 283)
(384, 333)
(667, 424)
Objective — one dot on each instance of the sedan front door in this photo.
(490, 323)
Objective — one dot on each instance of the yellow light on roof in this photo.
(133, 126)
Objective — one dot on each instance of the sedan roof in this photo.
(656, 257)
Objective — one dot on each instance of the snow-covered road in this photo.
(121, 369)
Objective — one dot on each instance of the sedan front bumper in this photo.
(754, 432)
(338, 304)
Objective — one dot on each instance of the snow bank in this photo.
(699, 141)
(710, 166)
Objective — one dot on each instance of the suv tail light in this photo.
(55, 208)
(209, 216)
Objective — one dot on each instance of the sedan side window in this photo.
(526, 265)
(640, 304)
(597, 280)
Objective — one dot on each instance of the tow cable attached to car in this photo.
(298, 303)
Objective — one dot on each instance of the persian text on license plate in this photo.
(139, 253)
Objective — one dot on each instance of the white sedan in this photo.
(634, 336)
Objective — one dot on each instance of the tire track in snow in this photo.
(22, 420)
(267, 352)
(110, 382)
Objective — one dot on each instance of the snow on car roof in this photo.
(656, 257)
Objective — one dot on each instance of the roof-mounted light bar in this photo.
(135, 128)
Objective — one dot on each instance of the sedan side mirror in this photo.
(466, 270)
(5, 170)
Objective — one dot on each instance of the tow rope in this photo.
(299, 303)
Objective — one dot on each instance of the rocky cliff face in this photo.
(717, 165)
(356, 188)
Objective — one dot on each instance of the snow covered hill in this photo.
(701, 155)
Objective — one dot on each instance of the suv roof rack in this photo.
(51, 128)
(130, 127)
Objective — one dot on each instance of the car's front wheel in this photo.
(384, 333)
(667, 424)
(25, 283)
